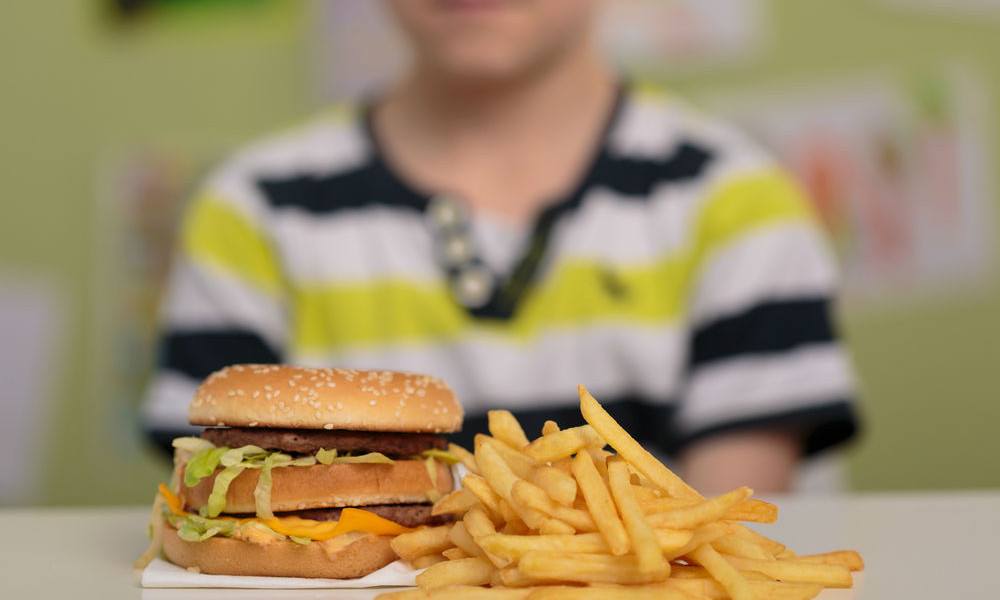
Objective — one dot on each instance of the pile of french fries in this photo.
(561, 517)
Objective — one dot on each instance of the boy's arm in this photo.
(768, 380)
(763, 459)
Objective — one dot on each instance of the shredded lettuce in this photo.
(193, 528)
(300, 540)
(243, 454)
(217, 499)
(432, 494)
(442, 455)
(202, 464)
(192, 444)
(326, 457)
(371, 457)
(262, 493)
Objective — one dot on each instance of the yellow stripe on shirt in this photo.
(328, 317)
(217, 234)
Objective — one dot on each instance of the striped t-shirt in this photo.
(684, 280)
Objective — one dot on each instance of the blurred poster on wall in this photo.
(358, 48)
(142, 193)
(670, 35)
(900, 176)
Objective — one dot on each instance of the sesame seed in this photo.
(371, 403)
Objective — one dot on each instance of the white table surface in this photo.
(916, 546)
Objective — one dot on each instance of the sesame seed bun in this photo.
(324, 486)
(344, 557)
(303, 398)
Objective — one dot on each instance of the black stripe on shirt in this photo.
(773, 327)
(374, 185)
(362, 187)
(199, 354)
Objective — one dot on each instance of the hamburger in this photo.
(305, 472)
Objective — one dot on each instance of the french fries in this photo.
(504, 427)
(561, 517)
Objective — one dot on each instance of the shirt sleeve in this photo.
(225, 304)
(763, 351)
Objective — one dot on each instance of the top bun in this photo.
(302, 398)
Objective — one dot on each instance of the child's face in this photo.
(492, 39)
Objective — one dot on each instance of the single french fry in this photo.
(699, 514)
(465, 456)
(641, 535)
(490, 500)
(549, 427)
(455, 554)
(733, 545)
(426, 540)
(503, 425)
(600, 504)
(468, 592)
(723, 572)
(457, 502)
(797, 571)
(751, 509)
(518, 462)
(585, 568)
(553, 526)
(564, 443)
(422, 562)
(630, 449)
(845, 558)
(461, 537)
(558, 484)
(416, 594)
(606, 592)
(464, 571)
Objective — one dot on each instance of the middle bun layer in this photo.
(323, 486)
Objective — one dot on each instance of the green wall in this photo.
(77, 87)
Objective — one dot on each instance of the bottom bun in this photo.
(227, 556)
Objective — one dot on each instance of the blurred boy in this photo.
(513, 217)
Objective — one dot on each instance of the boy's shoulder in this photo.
(328, 142)
(654, 123)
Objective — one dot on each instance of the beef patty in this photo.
(407, 515)
(310, 441)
